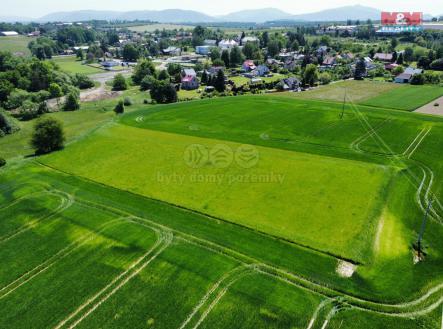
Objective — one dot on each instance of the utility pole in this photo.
(343, 106)
(422, 229)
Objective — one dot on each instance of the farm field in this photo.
(158, 250)
(17, 44)
(70, 64)
(356, 91)
(406, 97)
(373, 93)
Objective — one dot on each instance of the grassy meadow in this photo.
(169, 242)
(17, 44)
(71, 64)
(373, 93)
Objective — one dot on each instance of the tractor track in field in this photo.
(217, 291)
(47, 264)
(317, 311)
(66, 201)
(421, 198)
(164, 239)
(355, 145)
(425, 302)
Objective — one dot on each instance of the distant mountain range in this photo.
(189, 16)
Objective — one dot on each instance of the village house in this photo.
(329, 61)
(249, 39)
(383, 57)
(203, 50)
(172, 51)
(407, 75)
(227, 44)
(291, 84)
(248, 65)
(189, 82)
(262, 70)
(189, 72)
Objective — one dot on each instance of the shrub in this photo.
(120, 107)
(16, 99)
(2, 162)
(72, 102)
(119, 83)
(418, 79)
(437, 65)
(145, 101)
(147, 82)
(55, 90)
(48, 135)
(325, 78)
(127, 101)
(28, 110)
(83, 81)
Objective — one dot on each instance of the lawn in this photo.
(70, 64)
(17, 44)
(406, 97)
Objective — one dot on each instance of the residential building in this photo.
(249, 39)
(189, 73)
(227, 44)
(203, 50)
(403, 78)
(189, 82)
(291, 84)
(383, 57)
(172, 51)
(248, 65)
(262, 70)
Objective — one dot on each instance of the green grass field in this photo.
(117, 216)
(17, 44)
(374, 93)
(70, 64)
(406, 97)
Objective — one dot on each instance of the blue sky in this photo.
(38, 8)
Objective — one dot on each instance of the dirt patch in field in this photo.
(345, 269)
(430, 108)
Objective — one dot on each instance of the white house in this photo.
(172, 51)
(227, 44)
(248, 39)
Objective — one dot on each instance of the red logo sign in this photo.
(401, 18)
